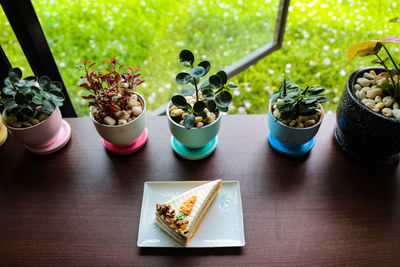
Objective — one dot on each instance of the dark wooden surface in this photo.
(81, 205)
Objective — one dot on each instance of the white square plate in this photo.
(221, 227)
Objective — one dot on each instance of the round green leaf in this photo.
(197, 72)
(223, 99)
(29, 97)
(211, 105)
(19, 98)
(10, 104)
(183, 78)
(186, 56)
(35, 90)
(57, 96)
(215, 81)
(31, 79)
(205, 85)
(231, 85)
(44, 82)
(197, 80)
(7, 82)
(9, 91)
(179, 101)
(187, 91)
(221, 108)
(37, 99)
(188, 121)
(46, 95)
(48, 107)
(55, 86)
(223, 76)
(199, 106)
(208, 94)
(27, 111)
(206, 65)
(15, 74)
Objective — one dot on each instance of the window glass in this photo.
(149, 34)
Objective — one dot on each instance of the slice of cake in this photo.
(181, 216)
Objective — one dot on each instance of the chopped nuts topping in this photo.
(168, 215)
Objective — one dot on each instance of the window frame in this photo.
(26, 26)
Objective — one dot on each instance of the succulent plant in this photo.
(293, 101)
(110, 90)
(23, 98)
(214, 91)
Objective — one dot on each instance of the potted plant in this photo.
(194, 116)
(31, 112)
(368, 113)
(294, 117)
(117, 111)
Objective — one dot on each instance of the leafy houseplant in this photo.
(194, 116)
(294, 117)
(111, 93)
(117, 111)
(30, 100)
(31, 112)
(368, 114)
(294, 105)
(199, 105)
(379, 92)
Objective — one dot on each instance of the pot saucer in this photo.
(288, 150)
(58, 142)
(193, 154)
(137, 144)
(3, 134)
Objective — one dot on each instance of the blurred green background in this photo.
(149, 34)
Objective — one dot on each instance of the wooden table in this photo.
(81, 205)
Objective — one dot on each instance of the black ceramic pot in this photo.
(362, 133)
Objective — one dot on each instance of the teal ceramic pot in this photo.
(289, 135)
(194, 138)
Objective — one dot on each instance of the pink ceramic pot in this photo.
(39, 135)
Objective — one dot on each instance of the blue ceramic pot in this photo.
(361, 132)
(194, 138)
(291, 136)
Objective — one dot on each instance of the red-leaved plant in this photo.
(109, 89)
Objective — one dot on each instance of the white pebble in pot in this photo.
(364, 82)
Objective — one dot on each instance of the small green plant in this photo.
(293, 101)
(214, 91)
(110, 89)
(24, 98)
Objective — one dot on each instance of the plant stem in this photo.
(388, 71)
(197, 90)
(390, 56)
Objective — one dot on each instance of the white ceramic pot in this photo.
(123, 134)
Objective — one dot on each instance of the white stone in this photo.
(42, 116)
(174, 113)
(122, 122)
(26, 124)
(16, 124)
(379, 106)
(364, 82)
(109, 121)
(309, 123)
(396, 113)
(387, 112)
(198, 119)
(33, 121)
(388, 101)
(292, 123)
(369, 76)
(199, 124)
(211, 118)
(396, 106)
(357, 87)
(371, 94)
(362, 94)
(300, 125)
(378, 99)
(138, 110)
